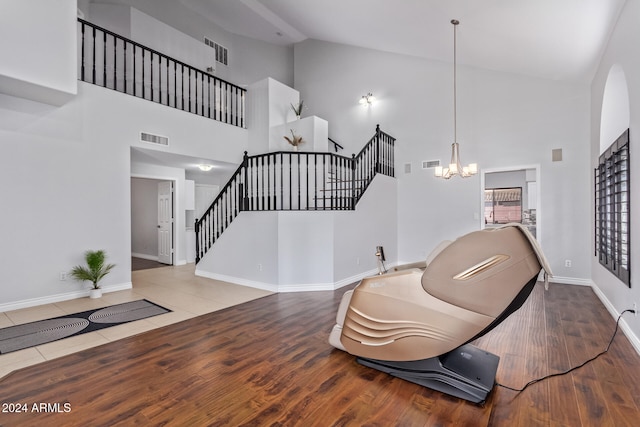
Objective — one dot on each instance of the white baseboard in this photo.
(144, 256)
(624, 326)
(570, 281)
(49, 299)
(356, 278)
(238, 281)
(310, 287)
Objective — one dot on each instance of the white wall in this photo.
(67, 174)
(44, 75)
(503, 120)
(621, 50)
(66, 191)
(303, 251)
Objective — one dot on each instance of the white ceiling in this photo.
(556, 39)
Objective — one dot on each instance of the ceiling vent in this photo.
(154, 139)
(428, 164)
(221, 51)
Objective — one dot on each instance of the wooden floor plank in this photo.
(267, 362)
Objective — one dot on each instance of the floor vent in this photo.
(428, 164)
(154, 139)
(221, 51)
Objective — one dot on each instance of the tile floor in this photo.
(176, 288)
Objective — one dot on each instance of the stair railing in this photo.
(295, 181)
(115, 62)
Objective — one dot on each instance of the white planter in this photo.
(95, 293)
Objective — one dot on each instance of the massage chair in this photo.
(417, 323)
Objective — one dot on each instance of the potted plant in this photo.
(93, 272)
(297, 108)
(295, 140)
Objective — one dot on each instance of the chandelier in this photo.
(455, 167)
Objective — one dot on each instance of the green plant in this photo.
(95, 269)
(294, 140)
(297, 108)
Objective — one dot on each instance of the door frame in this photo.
(538, 193)
(174, 231)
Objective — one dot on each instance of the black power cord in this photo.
(575, 367)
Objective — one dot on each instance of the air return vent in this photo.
(154, 139)
(221, 51)
(428, 164)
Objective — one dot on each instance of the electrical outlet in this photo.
(63, 275)
(259, 267)
(567, 263)
(635, 308)
(358, 261)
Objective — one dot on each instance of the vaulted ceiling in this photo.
(556, 39)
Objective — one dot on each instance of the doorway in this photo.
(152, 222)
(511, 194)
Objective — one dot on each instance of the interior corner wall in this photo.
(45, 75)
(357, 233)
(246, 252)
(503, 120)
(621, 50)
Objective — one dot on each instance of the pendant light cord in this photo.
(455, 92)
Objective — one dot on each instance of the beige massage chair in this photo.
(416, 323)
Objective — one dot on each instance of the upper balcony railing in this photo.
(115, 62)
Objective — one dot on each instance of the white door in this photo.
(165, 222)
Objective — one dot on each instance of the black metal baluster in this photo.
(262, 190)
(281, 181)
(168, 89)
(104, 59)
(124, 65)
(275, 180)
(82, 54)
(315, 181)
(135, 87)
(324, 182)
(115, 63)
(209, 97)
(93, 65)
(182, 81)
(268, 182)
(151, 70)
(202, 93)
(226, 103)
(144, 96)
(189, 84)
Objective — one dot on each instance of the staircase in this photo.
(295, 181)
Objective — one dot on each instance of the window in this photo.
(502, 205)
(612, 244)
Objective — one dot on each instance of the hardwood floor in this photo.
(267, 362)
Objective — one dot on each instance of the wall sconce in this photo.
(367, 100)
(205, 168)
